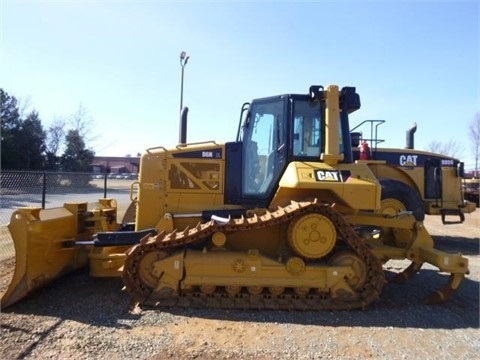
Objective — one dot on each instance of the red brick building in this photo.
(117, 164)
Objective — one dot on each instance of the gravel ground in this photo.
(78, 317)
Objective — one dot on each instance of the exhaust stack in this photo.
(410, 140)
(182, 138)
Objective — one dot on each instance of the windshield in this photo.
(264, 135)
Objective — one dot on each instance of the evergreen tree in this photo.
(32, 143)
(10, 130)
(23, 140)
(76, 156)
(25, 145)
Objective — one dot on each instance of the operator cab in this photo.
(275, 131)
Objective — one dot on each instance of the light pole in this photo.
(183, 61)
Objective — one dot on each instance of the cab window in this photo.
(307, 126)
(265, 136)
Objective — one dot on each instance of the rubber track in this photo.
(220, 299)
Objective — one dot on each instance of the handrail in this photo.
(179, 146)
(132, 186)
(156, 147)
(245, 107)
(373, 137)
(196, 143)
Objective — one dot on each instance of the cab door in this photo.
(264, 148)
(433, 179)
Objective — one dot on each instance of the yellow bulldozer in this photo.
(283, 217)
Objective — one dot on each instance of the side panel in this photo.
(186, 180)
(351, 186)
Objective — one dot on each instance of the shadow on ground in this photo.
(100, 302)
(463, 245)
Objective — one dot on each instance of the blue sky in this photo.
(411, 61)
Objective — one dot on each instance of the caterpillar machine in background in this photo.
(437, 179)
(281, 218)
(471, 191)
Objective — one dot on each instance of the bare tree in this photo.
(434, 146)
(24, 106)
(83, 124)
(55, 135)
(451, 148)
(475, 138)
(80, 124)
(54, 141)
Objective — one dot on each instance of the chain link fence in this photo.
(53, 189)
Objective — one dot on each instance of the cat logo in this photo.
(408, 160)
(325, 175)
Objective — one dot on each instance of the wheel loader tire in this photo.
(399, 191)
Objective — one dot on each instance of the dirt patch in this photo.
(83, 317)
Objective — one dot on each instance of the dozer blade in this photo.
(45, 246)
